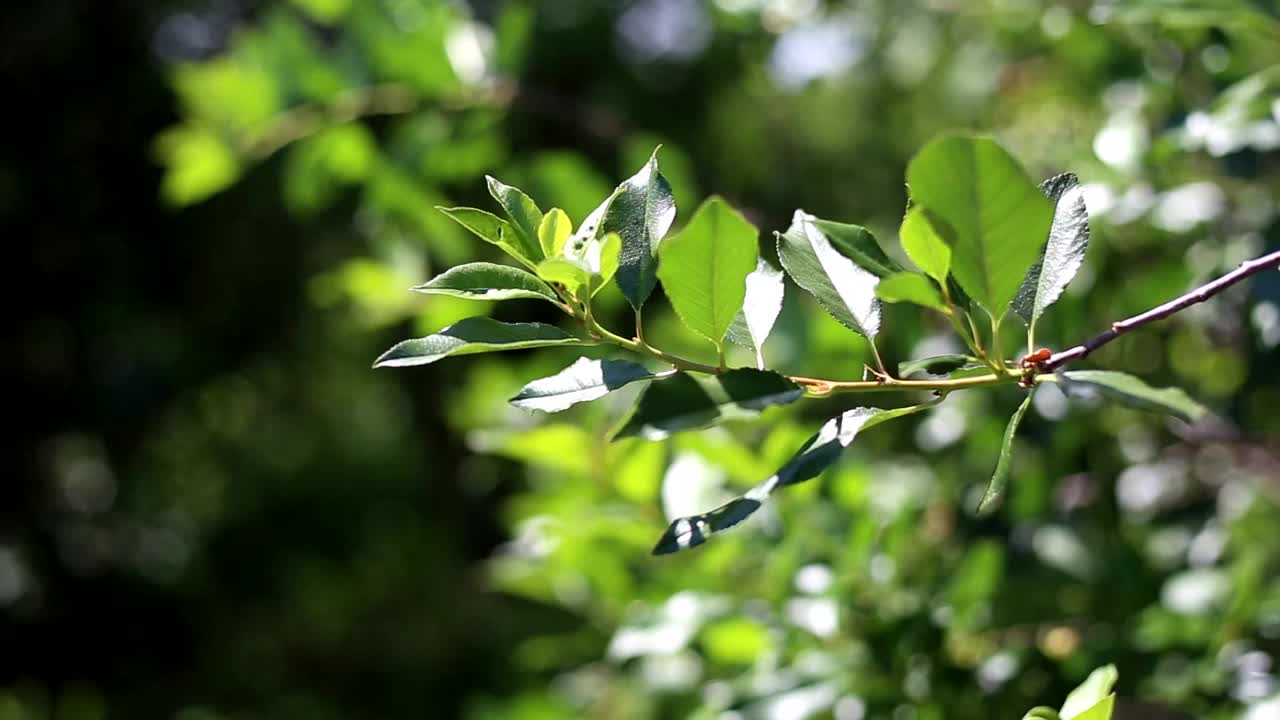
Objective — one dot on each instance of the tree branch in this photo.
(1199, 295)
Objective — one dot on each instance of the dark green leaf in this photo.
(584, 380)
(816, 455)
(487, 281)
(1063, 252)
(859, 245)
(525, 216)
(910, 287)
(993, 213)
(753, 323)
(937, 365)
(641, 212)
(704, 268)
(683, 402)
(1000, 478)
(1129, 390)
(922, 243)
(1095, 689)
(475, 335)
(843, 289)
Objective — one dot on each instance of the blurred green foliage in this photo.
(331, 542)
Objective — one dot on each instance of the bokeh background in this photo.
(218, 510)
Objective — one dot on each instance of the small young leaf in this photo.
(843, 289)
(1000, 478)
(910, 287)
(683, 402)
(568, 273)
(993, 213)
(753, 323)
(924, 245)
(1063, 253)
(525, 216)
(584, 380)
(704, 268)
(487, 281)
(1096, 688)
(937, 365)
(859, 245)
(1100, 711)
(554, 232)
(475, 335)
(1129, 390)
(816, 455)
(641, 213)
(490, 228)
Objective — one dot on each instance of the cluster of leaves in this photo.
(987, 242)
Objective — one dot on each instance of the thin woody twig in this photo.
(1199, 295)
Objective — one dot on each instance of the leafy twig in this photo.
(1199, 295)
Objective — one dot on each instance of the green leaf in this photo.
(704, 268)
(843, 289)
(1041, 713)
(820, 452)
(683, 402)
(641, 212)
(490, 228)
(859, 245)
(1000, 478)
(572, 275)
(198, 164)
(753, 323)
(910, 287)
(1063, 252)
(475, 335)
(924, 245)
(554, 232)
(1095, 689)
(487, 281)
(1129, 390)
(584, 380)
(936, 365)
(1101, 711)
(993, 213)
(525, 217)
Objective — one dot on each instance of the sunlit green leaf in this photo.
(1101, 711)
(1063, 252)
(554, 232)
(819, 453)
(490, 228)
(994, 214)
(1095, 689)
(922, 243)
(524, 214)
(198, 163)
(683, 402)
(1000, 478)
(475, 335)
(910, 287)
(584, 380)
(704, 268)
(487, 281)
(641, 213)
(844, 290)
(859, 245)
(1129, 390)
(760, 308)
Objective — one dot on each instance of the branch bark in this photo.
(1199, 295)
